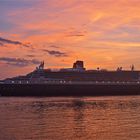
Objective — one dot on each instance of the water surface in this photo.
(70, 118)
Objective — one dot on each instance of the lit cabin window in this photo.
(20, 82)
(13, 82)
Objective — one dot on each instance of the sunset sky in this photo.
(102, 33)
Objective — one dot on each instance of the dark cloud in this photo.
(30, 55)
(1, 44)
(78, 35)
(20, 62)
(75, 33)
(3, 40)
(56, 53)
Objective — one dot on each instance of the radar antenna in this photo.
(132, 67)
(41, 66)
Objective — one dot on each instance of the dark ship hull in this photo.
(69, 89)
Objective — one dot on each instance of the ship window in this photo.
(12, 81)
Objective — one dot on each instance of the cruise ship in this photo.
(75, 81)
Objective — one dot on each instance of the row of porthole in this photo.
(117, 82)
(20, 82)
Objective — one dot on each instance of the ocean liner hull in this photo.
(68, 89)
(76, 81)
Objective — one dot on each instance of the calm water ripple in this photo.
(70, 118)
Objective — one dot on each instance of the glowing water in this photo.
(63, 118)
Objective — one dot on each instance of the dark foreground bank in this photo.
(67, 90)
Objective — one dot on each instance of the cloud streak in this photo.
(56, 53)
(19, 62)
(7, 41)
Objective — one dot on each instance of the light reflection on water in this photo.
(61, 118)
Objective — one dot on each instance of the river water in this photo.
(70, 118)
